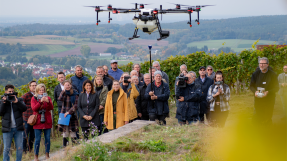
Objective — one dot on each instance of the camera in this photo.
(42, 112)
(10, 97)
(182, 81)
(126, 78)
(41, 96)
(261, 92)
(218, 83)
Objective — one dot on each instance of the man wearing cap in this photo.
(157, 94)
(114, 71)
(205, 83)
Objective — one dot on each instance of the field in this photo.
(236, 44)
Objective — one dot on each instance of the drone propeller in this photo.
(178, 6)
(140, 4)
(94, 6)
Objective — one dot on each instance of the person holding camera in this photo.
(282, 79)
(264, 84)
(41, 104)
(141, 102)
(88, 106)
(102, 92)
(205, 83)
(11, 110)
(218, 97)
(116, 109)
(132, 92)
(189, 96)
(157, 94)
(69, 97)
(29, 131)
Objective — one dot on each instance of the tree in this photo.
(85, 50)
(111, 50)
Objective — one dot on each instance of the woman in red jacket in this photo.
(41, 105)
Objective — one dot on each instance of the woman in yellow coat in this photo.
(116, 108)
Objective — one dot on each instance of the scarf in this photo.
(72, 96)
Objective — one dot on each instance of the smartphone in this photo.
(45, 94)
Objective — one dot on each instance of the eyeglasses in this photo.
(262, 63)
(209, 69)
(284, 68)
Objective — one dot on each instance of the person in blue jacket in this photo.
(115, 72)
(158, 99)
(78, 79)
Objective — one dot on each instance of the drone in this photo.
(147, 19)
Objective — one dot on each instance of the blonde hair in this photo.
(95, 82)
(38, 87)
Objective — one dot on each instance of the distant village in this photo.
(43, 70)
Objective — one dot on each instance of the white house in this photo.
(105, 54)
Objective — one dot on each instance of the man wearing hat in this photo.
(157, 94)
(205, 83)
(114, 71)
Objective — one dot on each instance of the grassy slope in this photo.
(181, 142)
(236, 44)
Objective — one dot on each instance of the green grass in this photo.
(236, 44)
(172, 142)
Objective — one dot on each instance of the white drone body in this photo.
(147, 26)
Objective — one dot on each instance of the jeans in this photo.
(28, 132)
(38, 133)
(7, 139)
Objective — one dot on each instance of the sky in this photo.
(19, 9)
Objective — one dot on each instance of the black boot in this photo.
(65, 142)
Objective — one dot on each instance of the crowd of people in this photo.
(115, 98)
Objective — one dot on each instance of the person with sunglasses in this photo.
(282, 78)
(210, 73)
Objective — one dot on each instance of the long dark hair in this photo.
(91, 83)
(219, 73)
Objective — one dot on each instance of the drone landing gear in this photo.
(135, 34)
(162, 34)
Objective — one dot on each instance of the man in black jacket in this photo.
(107, 81)
(11, 110)
(141, 102)
(59, 88)
(264, 100)
(157, 94)
(205, 83)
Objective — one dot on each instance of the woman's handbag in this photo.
(33, 119)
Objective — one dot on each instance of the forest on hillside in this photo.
(263, 27)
